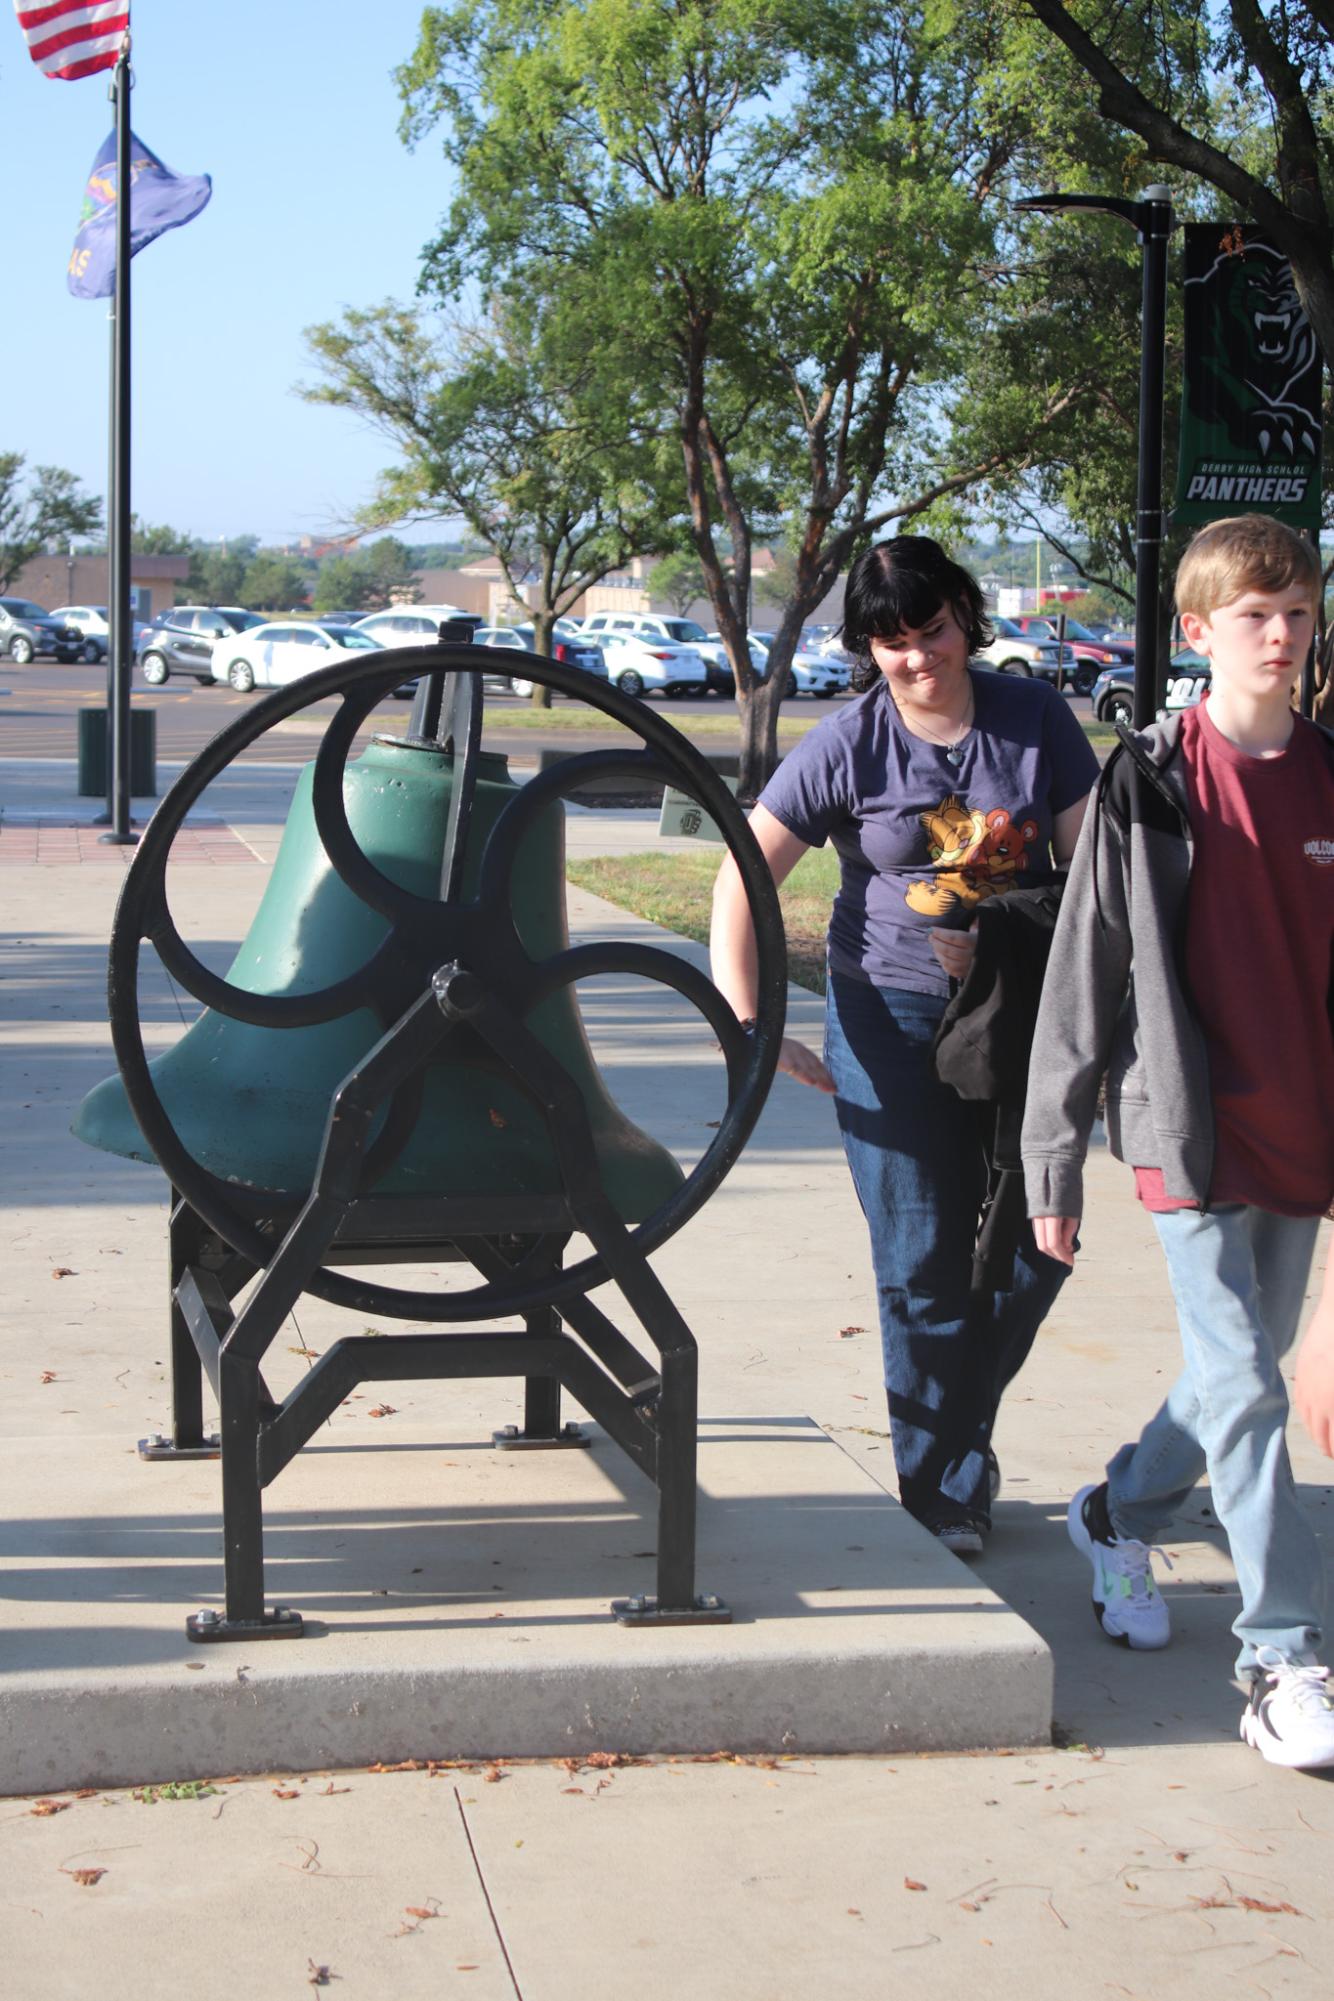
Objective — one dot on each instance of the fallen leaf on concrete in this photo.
(85, 1878)
(327, 1791)
(420, 1911)
(494, 1774)
(845, 1333)
(48, 1376)
(382, 1410)
(407, 1765)
(285, 1792)
(309, 1352)
(42, 1809)
(911, 1883)
(575, 1789)
(604, 1760)
(63, 1271)
(319, 1976)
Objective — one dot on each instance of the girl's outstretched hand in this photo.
(796, 1060)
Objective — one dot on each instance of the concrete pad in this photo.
(458, 1607)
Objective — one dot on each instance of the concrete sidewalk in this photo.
(1053, 1868)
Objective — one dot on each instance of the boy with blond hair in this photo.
(1191, 969)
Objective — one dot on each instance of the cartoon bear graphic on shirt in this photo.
(974, 854)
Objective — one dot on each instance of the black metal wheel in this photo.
(422, 937)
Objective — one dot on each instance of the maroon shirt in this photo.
(1259, 952)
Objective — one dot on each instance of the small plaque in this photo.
(685, 817)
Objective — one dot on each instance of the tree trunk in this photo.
(758, 708)
(544, 618)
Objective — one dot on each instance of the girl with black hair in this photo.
(940, 784)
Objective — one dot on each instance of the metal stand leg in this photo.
(542, 1428)
(242, 1519)
(188, 1439)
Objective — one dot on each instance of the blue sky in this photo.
(316, 205)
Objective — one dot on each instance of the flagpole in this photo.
(118, 522)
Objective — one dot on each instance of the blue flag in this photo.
(159, 200)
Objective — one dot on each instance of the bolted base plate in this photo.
(158, 1446)
(510, 1439)
(279, 1624)
(707, 1610)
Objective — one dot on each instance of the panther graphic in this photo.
(1255, 311)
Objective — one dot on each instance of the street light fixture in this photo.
(1152, 219)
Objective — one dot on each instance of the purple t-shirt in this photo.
(922, 841)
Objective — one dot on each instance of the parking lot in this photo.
(39, 707)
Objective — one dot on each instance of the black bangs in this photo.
(901, 585)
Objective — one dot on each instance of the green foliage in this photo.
(776, 232)
(46, 507)
(176, 1789)
(274, 582)
(368, 579)
(511, 424)
(680, 579)
(217, 575)
(157, 539)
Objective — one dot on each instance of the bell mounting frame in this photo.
(448, 941)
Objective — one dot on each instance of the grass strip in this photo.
(675, 890)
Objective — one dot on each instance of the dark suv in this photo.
(26, 630)
(182, 641)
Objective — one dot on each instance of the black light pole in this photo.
(1152, 219)
(118, 524)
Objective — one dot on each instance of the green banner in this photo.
(1250, 398)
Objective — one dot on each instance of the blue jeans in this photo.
(915, 1151)
(1238, 1277)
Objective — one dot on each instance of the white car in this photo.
(269, 656)
(91, 620)
(1013, 652)
(504, 639)
(812, 672)
(412, 624)
(641, 666)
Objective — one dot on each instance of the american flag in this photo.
(72, 38)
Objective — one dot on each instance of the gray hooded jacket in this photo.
(1098, 1017)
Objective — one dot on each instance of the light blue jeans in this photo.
(1238, 1277)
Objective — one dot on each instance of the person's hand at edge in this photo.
(1313, 1389)
(797, 1061)
(954, 949)
(1055, 1235)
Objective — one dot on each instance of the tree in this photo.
(507, 425)
(273, 582)
(367, 579)
(1236, 96)
(680, 579)
(49, 506)
(157, 539)
(790, 289)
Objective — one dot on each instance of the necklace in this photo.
(952, 746)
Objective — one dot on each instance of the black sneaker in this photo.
(962, 1534)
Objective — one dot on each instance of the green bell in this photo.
(251, 1103)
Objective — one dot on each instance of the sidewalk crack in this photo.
(491, 1909)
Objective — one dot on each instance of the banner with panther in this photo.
(1250, 401)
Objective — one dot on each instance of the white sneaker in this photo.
(1125, 1598)
(1291, 1722)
